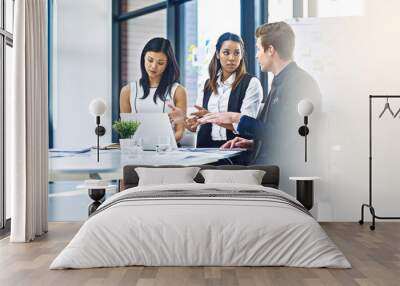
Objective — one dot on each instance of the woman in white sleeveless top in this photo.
(158, 85)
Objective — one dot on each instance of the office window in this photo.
(131, 5)
(280, 10)
(201, 35)
(337, 8)
(6, 60)
(8, 82)
(9, 13)
(135, 33)
(2, 129)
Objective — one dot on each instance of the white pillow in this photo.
(166, 176)
(248, 177)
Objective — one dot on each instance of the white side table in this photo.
(305, 190)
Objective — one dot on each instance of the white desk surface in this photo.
(84, 166)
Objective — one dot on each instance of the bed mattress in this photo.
(201, 225)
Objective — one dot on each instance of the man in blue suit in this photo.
(275, 45)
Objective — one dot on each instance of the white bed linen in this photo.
(224, 232)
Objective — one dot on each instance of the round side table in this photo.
(96, 193)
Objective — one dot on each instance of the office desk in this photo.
(78, 167)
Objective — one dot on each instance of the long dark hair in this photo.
(170, 74)
(215, 64)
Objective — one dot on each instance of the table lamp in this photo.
(305, 108)
(98, 107)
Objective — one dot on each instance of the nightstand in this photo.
(97, 195)
(305, 190)
(97, 192)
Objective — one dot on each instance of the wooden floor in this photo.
(374, 255)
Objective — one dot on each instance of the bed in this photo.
(201, 224)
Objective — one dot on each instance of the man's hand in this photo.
(238, 142)
(176, 115)
(220, 118)
(200, 111)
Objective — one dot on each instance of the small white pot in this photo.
(131, 146)
(124, 145)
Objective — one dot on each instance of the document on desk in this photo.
(171, 157)
(191, 154)
(67, 152)
(212, 150)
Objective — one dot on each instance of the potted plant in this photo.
(125, 130)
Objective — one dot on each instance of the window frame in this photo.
(253, 13)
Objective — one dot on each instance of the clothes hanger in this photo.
(387, 107)
(397, 113)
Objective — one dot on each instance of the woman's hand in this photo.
(192, 122)
(201, 111)
(220, 118)
(176, 115)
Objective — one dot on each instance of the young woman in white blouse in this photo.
(158, 86)
(229, 89)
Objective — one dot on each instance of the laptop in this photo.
(153, 126)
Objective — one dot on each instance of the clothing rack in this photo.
(369, 205)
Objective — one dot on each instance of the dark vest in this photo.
(234, 105)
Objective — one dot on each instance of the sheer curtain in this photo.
(29, 123)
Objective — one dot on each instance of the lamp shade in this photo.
(305, 107)
(97, 107)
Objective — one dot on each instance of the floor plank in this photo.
(374, 255)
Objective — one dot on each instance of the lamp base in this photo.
(100, 130)
(303, 130)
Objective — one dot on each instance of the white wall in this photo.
(81, 69)
(331, 50)
(350, 57)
